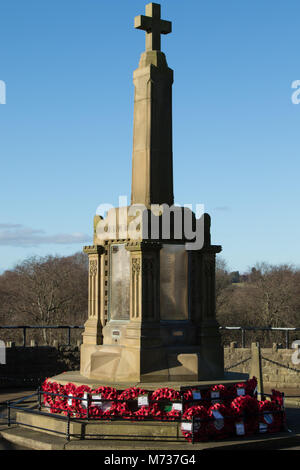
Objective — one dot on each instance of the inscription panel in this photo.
(119, 293)
(173, 283)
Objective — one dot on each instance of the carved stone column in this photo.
(209, 334)
(143, 331)
(209, 286)
(144, 291)
(136, 288)
(151, 290)
(94, 324)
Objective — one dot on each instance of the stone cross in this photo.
(153, 25)
(152, 160)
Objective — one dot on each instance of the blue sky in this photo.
(66, 128)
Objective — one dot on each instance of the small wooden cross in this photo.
(153, 25)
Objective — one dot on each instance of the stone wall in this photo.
(281, 373)
(25, 367)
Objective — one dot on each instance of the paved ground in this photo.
(5, 395)
(5, 445)
(11, 394)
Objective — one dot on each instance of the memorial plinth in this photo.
(151, 300)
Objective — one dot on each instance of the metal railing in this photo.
(24, 328)
(243, 330)
(68, 418)
(69, 328)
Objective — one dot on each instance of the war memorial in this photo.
(151, 291)
(152, 363)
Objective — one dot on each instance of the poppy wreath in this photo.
(47, 387)
(218, 393)
(277, 397)
(96, 412)
(61, 403)
(236, 390)
(173, 415)
(188, 396)
(243, 409)
(77, 407)
(55, 403)
(132, 393)
(200, 427)
(271, 416)
(248, 387)
(105, 409)
(118, 410)
(143, 412)
(107, 393)
(220, 427)
(166, 394)
(246, 409)
(158, 410)
(251, 385)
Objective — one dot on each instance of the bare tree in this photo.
(45, 291)
(270, 296)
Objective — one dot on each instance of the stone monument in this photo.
(151, 315)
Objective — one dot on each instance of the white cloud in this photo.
(9, 226)
(18, 235)
(222, 208)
